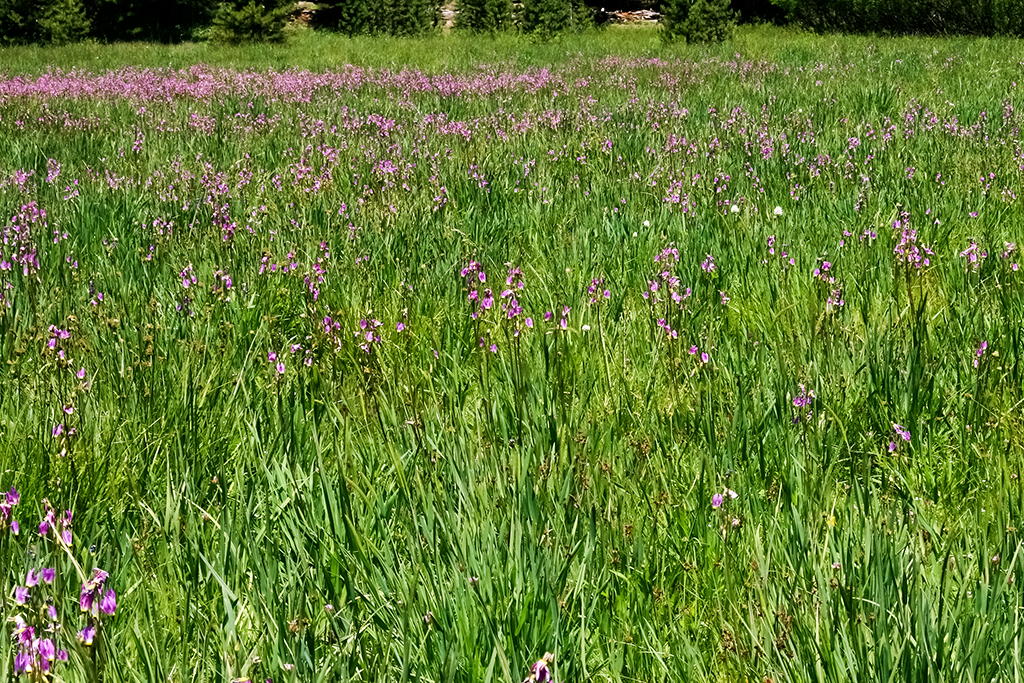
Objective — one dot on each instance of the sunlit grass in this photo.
(299, 458)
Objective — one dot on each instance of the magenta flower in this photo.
(87, 634)
(980, 352)
(399, 327)
(22, 662)
(716, 501)
(21, 595)
(903, 433)
(47, 650)
(109, 602)
(540, 672)
(89, 597)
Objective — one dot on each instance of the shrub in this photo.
(62, 22)
(251, 23)
(485, 16)
(351, 17)
(697, 21)
(548, 18)
(410, 17)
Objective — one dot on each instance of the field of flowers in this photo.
(593, 361)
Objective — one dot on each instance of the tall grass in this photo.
(804, 470)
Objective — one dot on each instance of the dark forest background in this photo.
(168, 21)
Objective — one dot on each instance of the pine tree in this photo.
(548, 18)
(411, 17)
(62, 21)
(351, 17)
(697, 21)
(167, 21)
(17, 22)
(484, 16)
(235, 24)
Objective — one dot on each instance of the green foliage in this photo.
(349, 17)
(54, 22)
(899, 17)
(62, 22)
(484, 16)
(17, 25)
(697, 21)
(249, 23)
(430, 510)
(405, 18)
(166, 21)
(548, 18)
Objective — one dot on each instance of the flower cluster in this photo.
(37, 628)
(801, 402)
(481, 299)
(973, 255)
(514, 285)
(7, 504)
(666, 288)
(980, 352)
(708, 265)
(785, 259)
(908, 251)
(902, 433)
(61, 526)
(597, 292)
(1008, 249)
(367, 334)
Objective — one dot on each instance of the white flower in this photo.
(778, 211)
(735, 208)
(647, 224)
(585, 328)
(634, 233)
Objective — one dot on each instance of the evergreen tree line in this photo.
(236, 21)
(908, 17)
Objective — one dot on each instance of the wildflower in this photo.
(91, 592)
(87, 634)
(108, 605)
(777, 211)
(716, 501)
(903, 433)
(540, 672)
(980, 352)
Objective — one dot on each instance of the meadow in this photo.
(418, 360)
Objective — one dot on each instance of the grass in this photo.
(280, 487)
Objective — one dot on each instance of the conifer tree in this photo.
(484, 16)
(697, 21)
(17, 22)
(351, 17)
(411, 17)
(62, 21)
(237, 22)
(548, 18)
